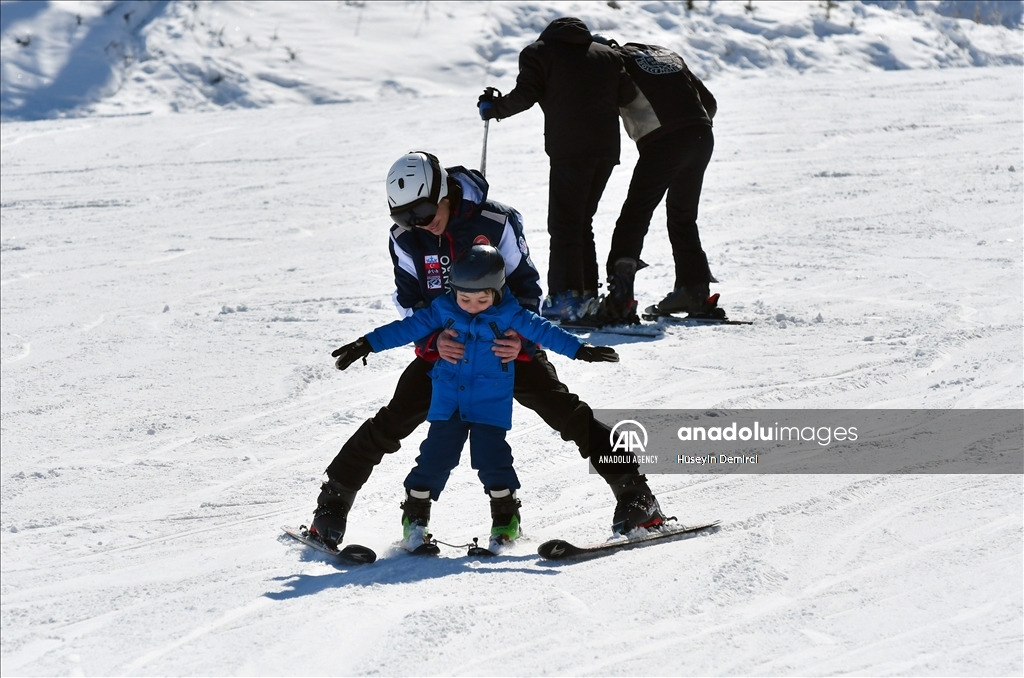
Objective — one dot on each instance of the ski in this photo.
(596, 325)
(480, 552)
(353, 554)
(559, 549)
(473, 550)
(429, 548)
(490, 551)
(654, 313)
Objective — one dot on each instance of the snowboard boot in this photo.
(635, 507)
(504, 517)
(331, 515)
(693, 299)
(415, 518)
(620, 302)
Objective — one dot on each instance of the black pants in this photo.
(574, 190)
(536, 387)
(673, 163)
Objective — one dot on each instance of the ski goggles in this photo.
(419, 213)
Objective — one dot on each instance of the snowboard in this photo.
(559, 549)
(353, 554)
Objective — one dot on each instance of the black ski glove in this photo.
(490, 95)
(349, 353)
(597, 354)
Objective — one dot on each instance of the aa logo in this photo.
(628, 436)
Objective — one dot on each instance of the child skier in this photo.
(472, 398)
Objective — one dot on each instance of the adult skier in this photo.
(670, 121)
(438, 212)
(580, 85)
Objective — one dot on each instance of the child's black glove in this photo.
(349, 353)
(597, 354)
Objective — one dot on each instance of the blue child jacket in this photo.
(478, 386)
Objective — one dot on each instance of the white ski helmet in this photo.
(416, 183)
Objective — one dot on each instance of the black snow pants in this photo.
(574, 190)
(675, 163)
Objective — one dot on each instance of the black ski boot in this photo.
(331, 515)
(620, 302)
(504, 517)
(415, 518)
(636, 506)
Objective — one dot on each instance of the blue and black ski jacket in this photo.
(423, 261)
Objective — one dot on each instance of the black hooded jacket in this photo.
(670, 97)
(580, 85)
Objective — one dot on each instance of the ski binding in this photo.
(429, 546)
(494, 548)
(712, 316)
(477, 551)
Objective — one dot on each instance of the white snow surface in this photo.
(172, 286)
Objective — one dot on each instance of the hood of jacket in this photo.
(568, 29)
(471, 189)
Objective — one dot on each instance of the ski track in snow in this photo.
(173, 286)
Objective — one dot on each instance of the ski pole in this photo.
(489, 92)
(483, 156)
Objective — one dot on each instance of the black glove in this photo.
(349, 353)
(597, 354)
(490, 95)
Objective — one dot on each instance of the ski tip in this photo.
(556, 549)
(358, 555)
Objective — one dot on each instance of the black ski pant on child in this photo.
(489, 453)
(574, 190)
(674, 163)
(536, 387)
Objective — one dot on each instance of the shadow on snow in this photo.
(397, 567)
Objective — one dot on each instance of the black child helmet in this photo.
(478, 268)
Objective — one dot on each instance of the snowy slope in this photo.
(172, 286)
(141, 56)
